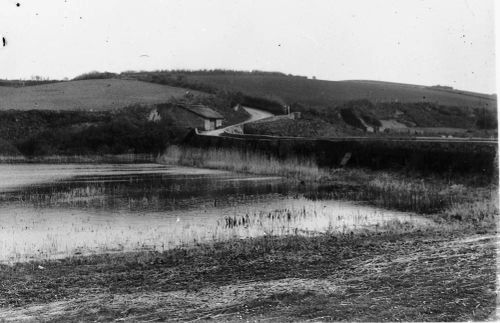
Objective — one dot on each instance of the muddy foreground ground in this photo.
(419, 276)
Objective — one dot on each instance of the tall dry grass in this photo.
(243, 161)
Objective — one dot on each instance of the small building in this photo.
(191, 116)
(211, 119)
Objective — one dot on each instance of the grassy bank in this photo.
(243, 161)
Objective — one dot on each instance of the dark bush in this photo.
(22, 83)
(351, 119)
(95, 75)
(263, 104)
(486, 119)
(122, 131)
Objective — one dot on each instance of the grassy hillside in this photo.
(296, 89)
(320, 93)
(340, 107)
(104, 94)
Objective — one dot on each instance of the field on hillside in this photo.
(294, 89)
(87, 95)
(336, 107)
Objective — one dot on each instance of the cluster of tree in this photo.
(8, 149)
(18, 125)
(349, 116)
(260, 103)
(207, 72)
(174, 79)
(486, 119)
(356, 111)
(121, 135)
(82, 132)
(95, 75)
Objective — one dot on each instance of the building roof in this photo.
(204, 111)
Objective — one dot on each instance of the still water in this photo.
(54, 211)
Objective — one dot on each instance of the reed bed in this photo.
(446, 202)
(414, 196)
(426, 195)
(484, 212)
(244, 161)
(411, 197)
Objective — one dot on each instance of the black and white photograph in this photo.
(249, 161)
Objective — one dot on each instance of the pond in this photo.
(54, 211)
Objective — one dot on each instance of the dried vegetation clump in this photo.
(244, 161)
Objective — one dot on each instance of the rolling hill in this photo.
(294, 89)
(95, 95)
(343, 107)
(329, 108)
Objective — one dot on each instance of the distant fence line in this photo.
(426, 154)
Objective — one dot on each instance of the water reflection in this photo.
(80, 209)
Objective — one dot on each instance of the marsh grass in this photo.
(243, 161)
(440, 200)
(484, 213)
(426, 195)
(407, 195)
(391, 194)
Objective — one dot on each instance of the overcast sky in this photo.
(448, 42)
